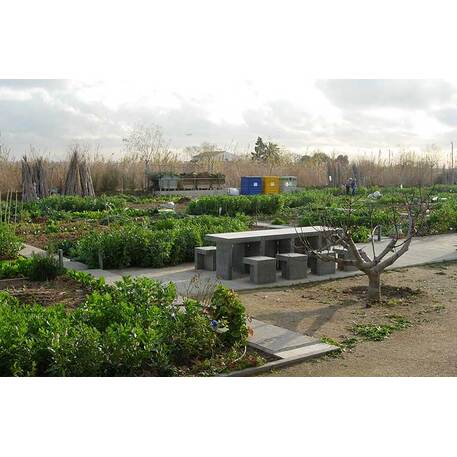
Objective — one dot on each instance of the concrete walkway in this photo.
(429, 249)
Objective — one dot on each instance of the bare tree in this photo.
(340, 231)
(147, 143)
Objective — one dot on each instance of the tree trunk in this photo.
(374, 286)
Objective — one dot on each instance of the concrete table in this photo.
(234, 246)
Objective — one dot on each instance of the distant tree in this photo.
(207, 154)
(267, 153)
(259, 150)
(147, 143)
(317, 158)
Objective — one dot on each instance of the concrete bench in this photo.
(262, 269)
(321, 267)
(205, 258)
(293, 265)
(344, 254)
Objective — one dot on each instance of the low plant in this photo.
(10, 243)
(43, 267)
(378, 332)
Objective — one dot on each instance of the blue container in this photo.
(251, 185)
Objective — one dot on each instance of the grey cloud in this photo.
(53, 117)
(375, 93)
(48, 84)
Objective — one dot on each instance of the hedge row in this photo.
(165, 242)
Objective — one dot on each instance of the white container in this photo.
(233, 191)
(288, 183)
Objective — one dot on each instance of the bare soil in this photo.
(425, 296)
(63, 290)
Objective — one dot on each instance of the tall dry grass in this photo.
(128, 173)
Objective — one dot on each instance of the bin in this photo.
(271, 184)
(251, 185)
(288, 183)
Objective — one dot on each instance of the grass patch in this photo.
(379, 332)
(344, 345)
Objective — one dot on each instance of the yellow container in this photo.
(271, 185)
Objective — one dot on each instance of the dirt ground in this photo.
(424, 296)
(62, 290)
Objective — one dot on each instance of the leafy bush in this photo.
(43, 268)
(14, 268)
(36, 268)
(361, 234)
(229, 313)
(133, 327)
(167, 241)
(10, 244)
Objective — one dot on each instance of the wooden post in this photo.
(60, 258)
(15, 211)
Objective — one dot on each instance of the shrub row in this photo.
(71, 203)
(231, 206)
(167, 241)
(131, 328)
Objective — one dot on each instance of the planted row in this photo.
(72, 203)
(169, 241)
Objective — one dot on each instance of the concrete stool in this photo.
(293, 265)
(262, 269)
(344, 254)
(205, 258)
(320, 267)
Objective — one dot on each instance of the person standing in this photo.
(353, 186)
(348, 185)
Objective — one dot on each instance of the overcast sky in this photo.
(301, 115)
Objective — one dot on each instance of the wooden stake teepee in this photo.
(78, 180)
(29, 193)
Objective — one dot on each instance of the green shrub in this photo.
(163, 242)
(133, 327)
(14, 268)
(10, 244)
(230, 315)
(43, 268)
(226, 205)
(361, 234)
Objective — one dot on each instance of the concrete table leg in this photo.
(286, 246)
(268, 248)
(238, 253)
(224, 260)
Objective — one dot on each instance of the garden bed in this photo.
(76, 325)
(62, 290)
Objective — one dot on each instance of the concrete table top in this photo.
(258, 235)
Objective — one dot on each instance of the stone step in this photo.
(307, 351)
(273, 339)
